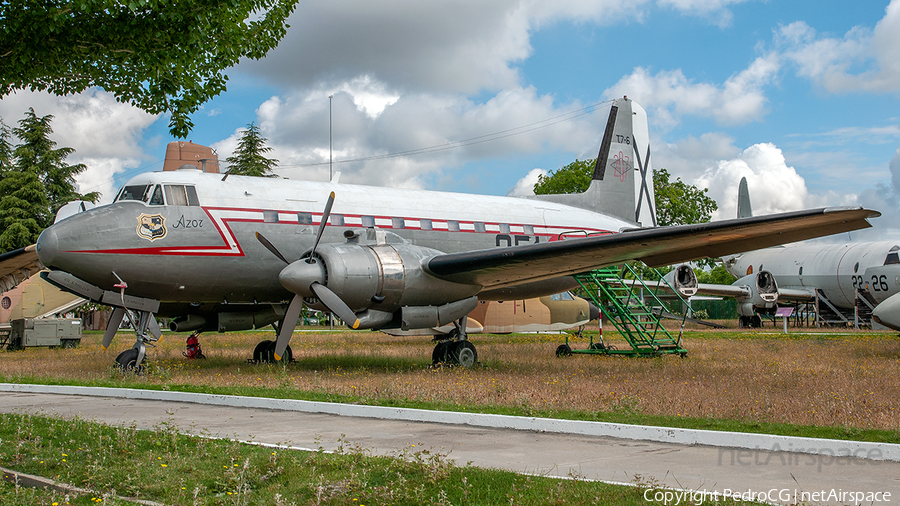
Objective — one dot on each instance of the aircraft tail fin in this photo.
(743, 206)
(622, 181)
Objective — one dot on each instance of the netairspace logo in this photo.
(669, 497)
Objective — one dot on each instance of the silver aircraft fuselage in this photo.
(838, 270)
(189, 237)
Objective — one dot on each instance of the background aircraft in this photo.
(846, 280)
(231, 253)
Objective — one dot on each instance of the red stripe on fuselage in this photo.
(237, 251)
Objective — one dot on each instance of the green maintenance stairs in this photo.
(634, 308)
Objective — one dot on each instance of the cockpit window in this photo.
(136, 192)
(181, 195)
(157, 198)
(892, 259)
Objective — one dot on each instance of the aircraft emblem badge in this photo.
(151, 226)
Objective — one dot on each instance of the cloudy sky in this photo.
(802, 98)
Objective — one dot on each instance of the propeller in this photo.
(305, 278)
(115, 319)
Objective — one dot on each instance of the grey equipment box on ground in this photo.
(65, 332)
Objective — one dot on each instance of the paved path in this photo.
(780, 476)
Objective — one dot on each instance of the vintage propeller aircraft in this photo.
(232, 253)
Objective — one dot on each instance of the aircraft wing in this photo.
(501, 267)
(733, 291)
(17, 266)
(795, 294)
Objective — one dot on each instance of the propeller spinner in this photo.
(306, 278)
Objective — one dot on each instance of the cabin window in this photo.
(368, 221)
(529, 229)
(270, 216)
(304, 218)
(181, 195)
(337, 220)
(856, 268)
(397, 223)
(157, 198)
(479, 226)
(136, 192)
(425, 224)
(453, 226)
(892, 259)
(504, 228)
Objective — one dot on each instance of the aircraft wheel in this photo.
(260, 353)
(464, 354)
(286, 358)
(755, 321)
(127, 361)
(563, 350)
(441, 353)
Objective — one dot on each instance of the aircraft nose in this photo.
(594, 311)
(47, 246)
(888, 312)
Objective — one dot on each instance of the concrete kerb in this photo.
(734, 440)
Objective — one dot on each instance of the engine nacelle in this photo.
(763, 293)
(227, 321)
(683, 280)
(377, 280)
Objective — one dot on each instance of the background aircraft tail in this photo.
(743, 206)
(622, 183)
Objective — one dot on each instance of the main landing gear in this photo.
(455, 348)
(146, 332)
(264, 353)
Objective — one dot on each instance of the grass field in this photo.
(843, 385)
(108, 463)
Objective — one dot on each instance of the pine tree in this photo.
(248, 159)
(36, 154)
(35, 181)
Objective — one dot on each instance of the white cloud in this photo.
(441, 46)
(863, 59)
(774, 186)
(525, 186)
(670, 94)
(716, 10)
(296, 126)
(104, 133)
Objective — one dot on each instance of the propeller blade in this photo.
(335, 304)
(325, 215)
(288, 325)
(269, 246)
(115, 319)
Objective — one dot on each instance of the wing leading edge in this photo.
(17, 266)
(502, 267)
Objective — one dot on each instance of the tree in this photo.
(573, 178)
(248, 159)
(158, 55)
(678, 203)
(36, 154)
(717, 276)
(35, 181)
(23, 209)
